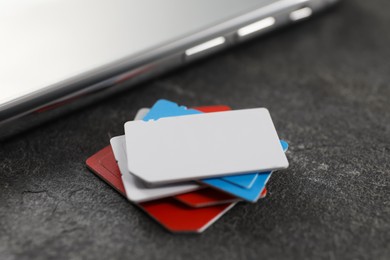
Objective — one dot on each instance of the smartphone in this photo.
(57, 56)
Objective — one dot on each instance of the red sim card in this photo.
(103, 164)
(169, 212)
(209, 109)
(205, 197)
(263, 193)
(209, 197)
(178, 217)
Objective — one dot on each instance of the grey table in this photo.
(326, 83)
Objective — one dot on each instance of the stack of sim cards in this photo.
(187, 167)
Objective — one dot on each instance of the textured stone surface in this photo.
(326, 83)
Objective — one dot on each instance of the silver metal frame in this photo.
(47, 104)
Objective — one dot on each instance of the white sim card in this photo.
(193, 147)
(141, 113)
(136, 190)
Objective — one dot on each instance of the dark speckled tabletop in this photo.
(327, 85)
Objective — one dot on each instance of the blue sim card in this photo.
(246, 180)
(251, 194)
(165, 108)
